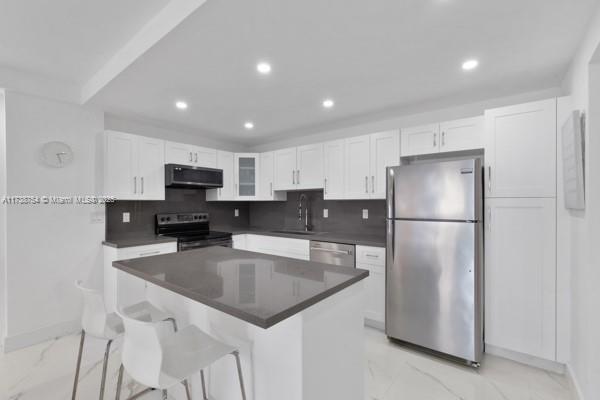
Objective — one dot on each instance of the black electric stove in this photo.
(192, 231)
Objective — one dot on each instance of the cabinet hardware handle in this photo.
(236, 190)
(434, 139)
(297, 177)
(149, 253)
(490, 218)
(372, 183)
(220, 191)
(134, 185)
(191, 159)
(142, 183)
(372, 255)
(271, 185)
(325, 186)
(443, 138)
(293, 177)
(366, 184)
(489, 178)
(196, 160)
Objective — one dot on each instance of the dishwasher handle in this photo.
(344, 252)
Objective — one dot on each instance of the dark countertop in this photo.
(137, 239)
(257, 288)
(336, 237)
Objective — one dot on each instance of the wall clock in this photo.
(57, 154)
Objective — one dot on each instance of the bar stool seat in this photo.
(159, 356)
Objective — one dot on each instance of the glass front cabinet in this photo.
(246, 173)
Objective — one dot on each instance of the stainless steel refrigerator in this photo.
(434, 266)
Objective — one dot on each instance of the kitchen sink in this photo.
(297, 232)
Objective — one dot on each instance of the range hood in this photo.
(185, 176)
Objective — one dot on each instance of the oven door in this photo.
(184, 246)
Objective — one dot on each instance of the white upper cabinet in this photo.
(309, 166)
(520, 150)
(226, 163)
(357, 167)
(520, 275)
(285, 169)
(266, 176)
(133, 167)
(420, 140)
(299, 168)
(462, 134)
(186, 154)
(246, 173)
(333, 170)
(385, 152)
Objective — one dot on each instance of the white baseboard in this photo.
(375, 324)
(575, 388)
(526, 359)
(12, 343)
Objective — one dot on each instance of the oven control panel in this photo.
(181, 218)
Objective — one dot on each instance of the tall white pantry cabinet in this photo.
(520, 229)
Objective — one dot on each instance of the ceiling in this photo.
(369, 56)
(68, 40)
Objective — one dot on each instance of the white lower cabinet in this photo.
(520, 275)
(373, 260)
(123, 289)
(239, 241)
(278, 246)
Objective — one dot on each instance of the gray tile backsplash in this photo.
(344, 215)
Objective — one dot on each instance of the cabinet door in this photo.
(226, 163)
(178, 153)
(375, 298)
(385, 152)
(462, 134)
(205, 157)
(246, 176)
(121, 166)
(309, 166)
(357, 167)
(420, 140)
(151, 163)
(520, 150)
(520, 276)
(267, 164)
(285, 169)
(333, 170)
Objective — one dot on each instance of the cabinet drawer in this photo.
(146, 251)
(370, 255)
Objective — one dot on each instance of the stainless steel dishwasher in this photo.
(333, 253)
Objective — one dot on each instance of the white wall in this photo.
(48, 246)
(584, 233)
(414, 118)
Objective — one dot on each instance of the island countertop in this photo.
(258, 288)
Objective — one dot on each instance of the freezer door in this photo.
(433, 286)
(448, 190)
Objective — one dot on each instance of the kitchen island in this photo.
(298, 324)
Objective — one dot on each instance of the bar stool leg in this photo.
(104, 367)
(119, 382)
(187, 389)
(204, 394)
(236, 354)
(78, 367)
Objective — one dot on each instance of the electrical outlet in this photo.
(236, 213)
(97, 217)
(126, 217)
(365, 214)
(325, 213)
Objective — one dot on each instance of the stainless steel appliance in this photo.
(192, 231)
(434, 257)
(185, 176)
(333, 253)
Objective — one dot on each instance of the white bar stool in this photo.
(98, 323)
(159, 356)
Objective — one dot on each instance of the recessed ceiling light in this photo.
(328, 103)
(263, 68)
(249, 125)
(182, 105)
(470, 65)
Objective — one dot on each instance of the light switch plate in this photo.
(325, 213)
(365, 214)
(236, 213)
(126, 217)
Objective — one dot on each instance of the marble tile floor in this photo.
(45, 372)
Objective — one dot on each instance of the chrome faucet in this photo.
(304, 198)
